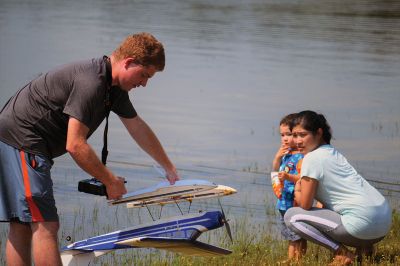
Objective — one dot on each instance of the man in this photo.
(56, 113)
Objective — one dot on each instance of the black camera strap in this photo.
(107, 106)
(93, 186)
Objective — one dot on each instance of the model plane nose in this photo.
(226, 190)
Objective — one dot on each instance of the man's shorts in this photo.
(26, 188)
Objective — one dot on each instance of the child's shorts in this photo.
(26, 188)
(285, 231)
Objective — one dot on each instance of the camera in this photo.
(92, 186)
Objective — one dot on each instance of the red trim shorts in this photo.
(26, 188)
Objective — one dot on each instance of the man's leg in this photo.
(18, 247)
(44, 238)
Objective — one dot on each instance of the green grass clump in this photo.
(256, 246)
(253, 245)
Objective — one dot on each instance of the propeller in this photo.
(225, 221)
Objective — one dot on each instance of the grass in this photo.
(256, 246)
(253, 245)
(251, 249)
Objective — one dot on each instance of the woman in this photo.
(355, 213)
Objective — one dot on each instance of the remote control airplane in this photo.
(182, 190)
(176, 234)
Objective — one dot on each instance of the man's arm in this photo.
(148, 141)
(86, 158)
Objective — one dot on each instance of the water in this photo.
(234, 68)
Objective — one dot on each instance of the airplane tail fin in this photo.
(79, 258)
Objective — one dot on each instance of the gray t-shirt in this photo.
(35, 119)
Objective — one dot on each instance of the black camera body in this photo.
(92, 186)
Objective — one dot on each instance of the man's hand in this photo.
(115, 188)
(172, 175)
(86, 158)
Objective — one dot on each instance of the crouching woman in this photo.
(355, 214)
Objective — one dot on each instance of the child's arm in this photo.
(291, 177)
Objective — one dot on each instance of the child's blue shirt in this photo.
(289, 165)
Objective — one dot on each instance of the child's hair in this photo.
(312, 121)
(144, 48)
(288, 120)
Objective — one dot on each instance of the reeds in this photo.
(253, 245)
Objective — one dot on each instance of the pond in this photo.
(233, 70)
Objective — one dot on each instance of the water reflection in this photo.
(233, 70)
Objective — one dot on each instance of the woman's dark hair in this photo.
(312, 121)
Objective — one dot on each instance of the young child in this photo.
(288, 161)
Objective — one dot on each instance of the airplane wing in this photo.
(165, 190)
(218, 191)
(184, 246)
(79, 257)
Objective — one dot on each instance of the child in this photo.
(288, 161)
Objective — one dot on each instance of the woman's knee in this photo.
(289, 214)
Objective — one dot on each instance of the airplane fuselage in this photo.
(187, 227)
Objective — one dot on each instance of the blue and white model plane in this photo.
(176, 234)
